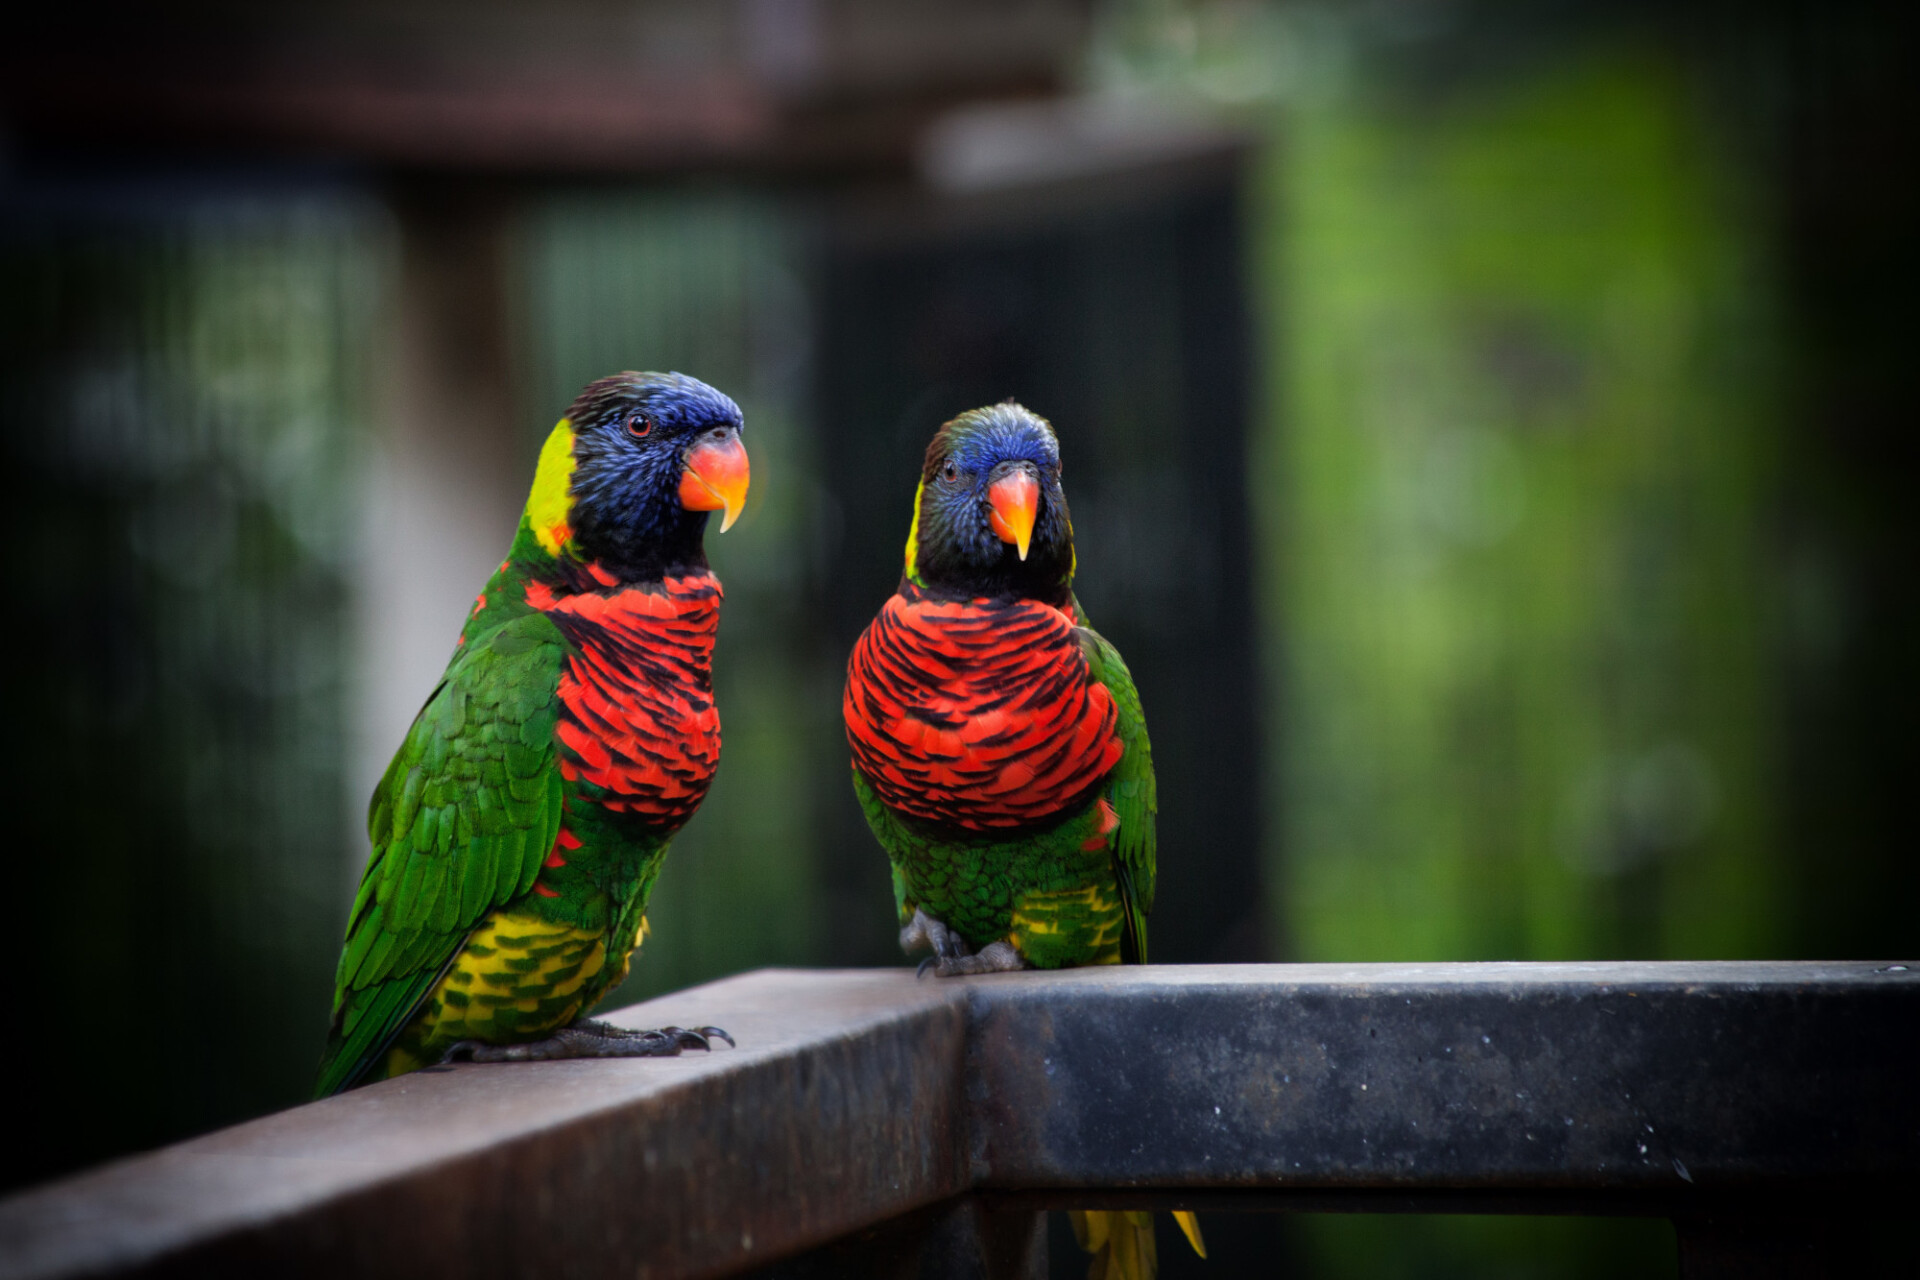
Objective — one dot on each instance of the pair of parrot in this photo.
(999, 750)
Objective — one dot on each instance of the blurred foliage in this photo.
(183, 414)
(1527, 433)
(1517, 486)
(1385, 1247)
(1521, 437)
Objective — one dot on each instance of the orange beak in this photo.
(716, 478)
(1015, 500)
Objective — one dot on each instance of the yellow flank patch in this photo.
(400, 1061)
(913, 538)
(619, 965)
(1069, 926)
(550, 505)
(517, 978)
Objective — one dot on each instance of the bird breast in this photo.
(637, 717)
(977, 713)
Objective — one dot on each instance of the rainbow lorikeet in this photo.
(518, 832)
(999, 748)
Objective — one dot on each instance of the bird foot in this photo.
(924, 931)
(600, 1028)
(590, 1039)
(951, 955)
(995, 957)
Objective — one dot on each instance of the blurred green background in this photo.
(1488, 426)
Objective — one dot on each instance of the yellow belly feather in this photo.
(1068, 926)
(518, 978)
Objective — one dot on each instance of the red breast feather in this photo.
(976, 713)
(637, 716)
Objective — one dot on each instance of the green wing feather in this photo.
(886, 828)
(1130, 790)
(460, 824)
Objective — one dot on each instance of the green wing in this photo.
(1130, 790)
(460, 824)
(887, 830)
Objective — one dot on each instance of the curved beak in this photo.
(715, 478)
(1015, 499)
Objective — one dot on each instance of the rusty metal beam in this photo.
(1572, 1077)
(860, 1099)
(842, 1108)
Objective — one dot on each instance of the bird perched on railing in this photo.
(999, 748)
(518, 831)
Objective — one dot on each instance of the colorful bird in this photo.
(999, 749)
(518, 831)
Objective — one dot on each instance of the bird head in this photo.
(990, 517)
(629, 475)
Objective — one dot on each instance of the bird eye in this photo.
(639, 426)
(950, 474)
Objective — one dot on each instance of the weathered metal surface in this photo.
(1614, 1077)
(965, 1239)
(838, 1110)
(858, 1100)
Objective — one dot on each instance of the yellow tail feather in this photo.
(1190, 1227)
(1121, 1241)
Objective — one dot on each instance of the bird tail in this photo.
(1121, 1241)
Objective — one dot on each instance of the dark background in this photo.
(1489, 429)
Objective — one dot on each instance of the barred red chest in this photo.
(975, 713)
(637, 718)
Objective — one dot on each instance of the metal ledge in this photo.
(1582, 1077)
(859, 1097)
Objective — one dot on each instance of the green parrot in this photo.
(518, 832)
(999, 749)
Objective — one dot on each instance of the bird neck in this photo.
(662, 539)
(940, 571)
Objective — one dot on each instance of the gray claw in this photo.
(995, 957)
(589, 1039)
(694, 1038)
(686, 1039)
(924, 930)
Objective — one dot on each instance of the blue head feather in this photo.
(955, 548)
(632, 432)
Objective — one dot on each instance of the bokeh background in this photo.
(1489, 426)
